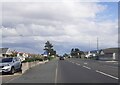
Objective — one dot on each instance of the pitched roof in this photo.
(3, 50)
(93, 51)
(111, 50)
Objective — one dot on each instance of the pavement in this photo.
(70, 71)
(25, 66)
(7, 77)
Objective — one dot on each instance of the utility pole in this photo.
(89, 45)
(97, 44)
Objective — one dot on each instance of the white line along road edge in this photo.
(107, 74)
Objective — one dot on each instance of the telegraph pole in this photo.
(89, 45)
(97, 57)
(97, 43)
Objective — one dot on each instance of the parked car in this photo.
(10, 65)
(61, 58)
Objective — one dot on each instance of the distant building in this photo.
(109, 54)
(22, 56)
(5, 52)
(103, 54)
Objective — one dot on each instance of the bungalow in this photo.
(5, 52)
(22, 56)
(109, 54)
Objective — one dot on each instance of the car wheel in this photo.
(12, 70)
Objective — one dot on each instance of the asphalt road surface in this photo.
(70, 71)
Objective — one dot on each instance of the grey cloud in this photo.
(19, 13)
(67, 24)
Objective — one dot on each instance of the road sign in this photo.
(45, 53)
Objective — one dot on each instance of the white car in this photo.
(88, 56)
(10, 65)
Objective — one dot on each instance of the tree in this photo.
(75, 52)
(48, 45)
(72, 52)
(49, 48)
(65, 55)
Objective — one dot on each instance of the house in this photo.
(110, 50)
(22, 56)
(103, 54)
(109, 54)
(5, 52)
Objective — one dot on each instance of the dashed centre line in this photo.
(97, 71)
(86, 67)
(77, 64)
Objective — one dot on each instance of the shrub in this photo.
(50, 58)
(32, 59)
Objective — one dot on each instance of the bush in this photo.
(38, 59)
(32, 59)
(50, 58)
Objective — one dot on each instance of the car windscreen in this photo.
(4, 60)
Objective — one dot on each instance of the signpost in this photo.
(45, 54)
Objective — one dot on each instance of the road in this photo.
(70, 71)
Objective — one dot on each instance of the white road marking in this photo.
(56, 73)
(73, 62)
(86, 67)
(111, 61)
(107, 74)
(85, 63)
(77, 64)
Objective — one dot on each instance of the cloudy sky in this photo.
(26, 26)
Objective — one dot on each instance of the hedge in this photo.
(32, 60)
